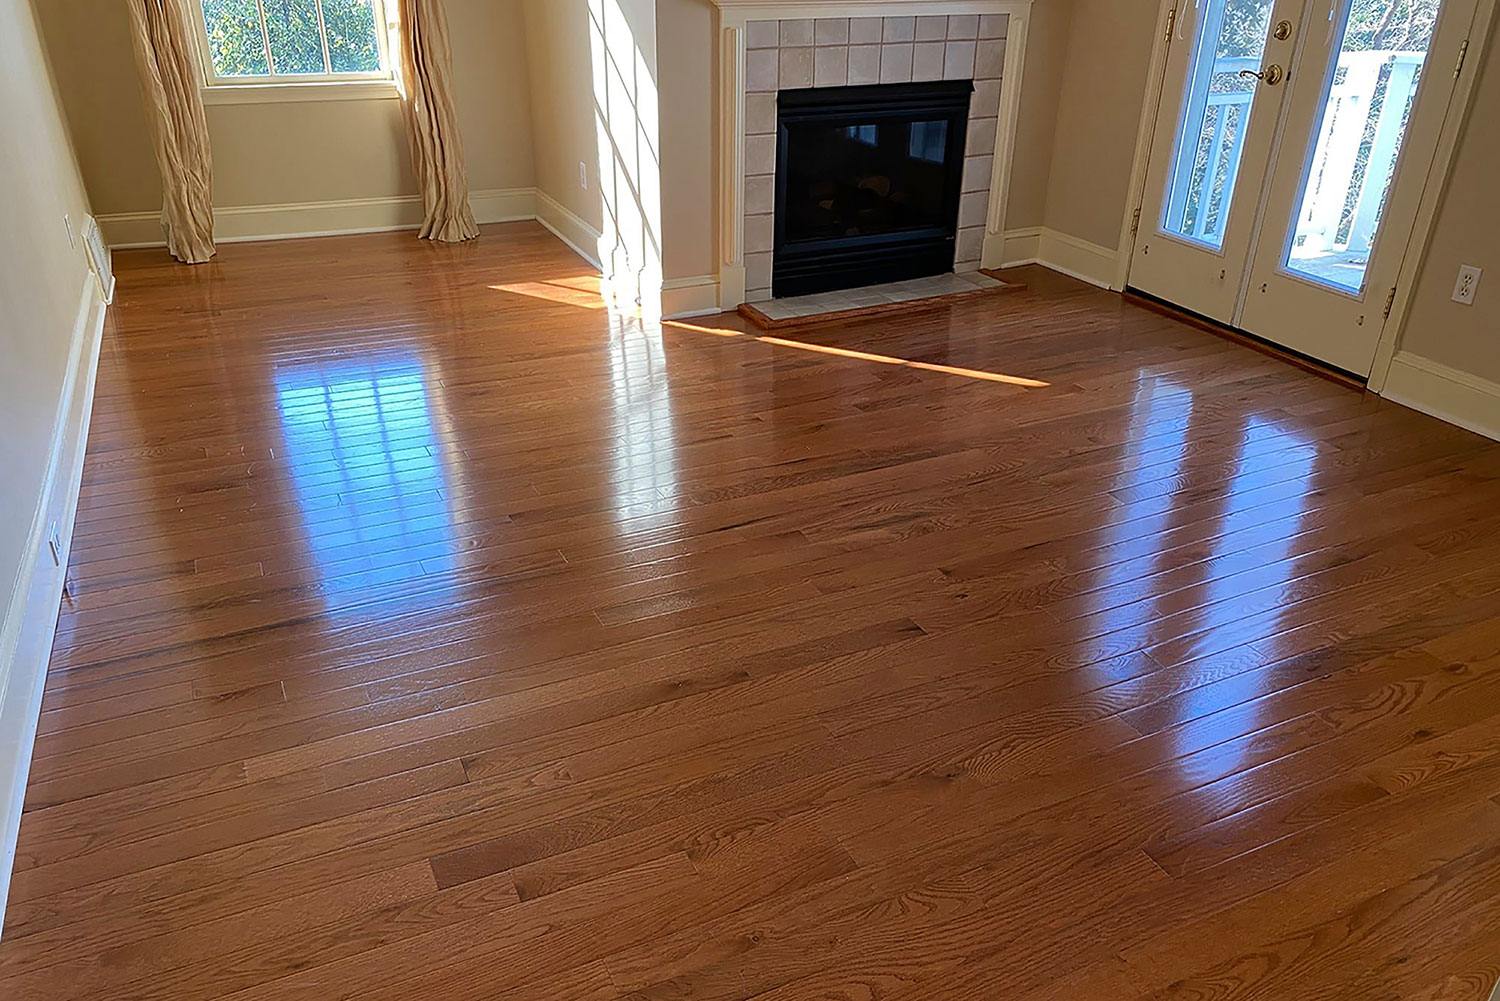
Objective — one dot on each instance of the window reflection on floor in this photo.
(366, 469)
(1154, 452)
(1267, 500)
(644, 450)
(1252, 572)
(1214, 531)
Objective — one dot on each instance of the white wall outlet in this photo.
(72, 236)
(1468, 282)
(583, 175)
(54, 543)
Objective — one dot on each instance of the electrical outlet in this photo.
(583, 175)
(1468, 282)
(72, 236)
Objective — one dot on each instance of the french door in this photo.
(1289, 154)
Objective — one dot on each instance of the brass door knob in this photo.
(1271, 76)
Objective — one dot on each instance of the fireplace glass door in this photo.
(867, 184)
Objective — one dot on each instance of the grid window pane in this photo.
(290, 38)
(296, 45)
(234, 39)
(351, 29)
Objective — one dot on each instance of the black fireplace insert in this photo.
(867, 184)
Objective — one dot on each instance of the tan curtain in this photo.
(432, 125)
(164, 50)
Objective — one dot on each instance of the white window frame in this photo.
(282, 87)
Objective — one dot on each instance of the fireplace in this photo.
(868, 181)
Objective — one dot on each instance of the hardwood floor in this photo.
(437, 632)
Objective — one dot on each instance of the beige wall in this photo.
(1098, 112)
(1036, 118)
(41, 277)
(595, 76)
(689, 123)
(493, 90)
(562, 88)
(1467, 232)
(269, 154)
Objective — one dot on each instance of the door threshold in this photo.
(1296, 358)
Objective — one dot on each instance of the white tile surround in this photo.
(745, 122)
(792, 53)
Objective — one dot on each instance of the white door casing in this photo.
(1315, 318)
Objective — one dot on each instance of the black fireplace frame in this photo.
(805, 267)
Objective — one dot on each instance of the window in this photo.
(294, 41)
(929, 141)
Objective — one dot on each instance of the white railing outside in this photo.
(1335, 163)
(1193, 210)
(1200, 210)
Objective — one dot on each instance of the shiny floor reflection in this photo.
(440, 630)
(365, 469)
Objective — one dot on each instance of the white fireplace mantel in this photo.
(734, 15)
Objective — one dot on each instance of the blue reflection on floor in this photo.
(366, 469)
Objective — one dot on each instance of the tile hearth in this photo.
(875, 296)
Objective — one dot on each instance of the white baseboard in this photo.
(569, 228)
(503, 205)
(682, 298)
(1059, 251)
(1016, 246)
(237, 224)
(1443, 392)
(30, 621)
(731, 287)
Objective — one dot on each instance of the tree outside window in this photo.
(294, 38)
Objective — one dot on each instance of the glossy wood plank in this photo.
(437, 629)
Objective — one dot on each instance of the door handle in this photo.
(1271, 76)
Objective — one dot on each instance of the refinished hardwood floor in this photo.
(439, 633)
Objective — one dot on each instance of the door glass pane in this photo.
(1229, 36)
(1368, 100)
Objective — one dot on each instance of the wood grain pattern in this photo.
(436, 630)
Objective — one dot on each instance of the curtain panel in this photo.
(432, 123)
(165, 53)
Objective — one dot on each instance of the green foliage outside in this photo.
(1374, 26)
(238, 45)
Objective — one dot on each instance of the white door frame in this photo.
(1438, 174)
(1459, 109)
(1166, 14)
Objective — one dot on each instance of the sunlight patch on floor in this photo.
(782, 342)
(581, 291)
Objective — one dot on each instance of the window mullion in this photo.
(382, 36)
(265, 37)
(323, 36)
